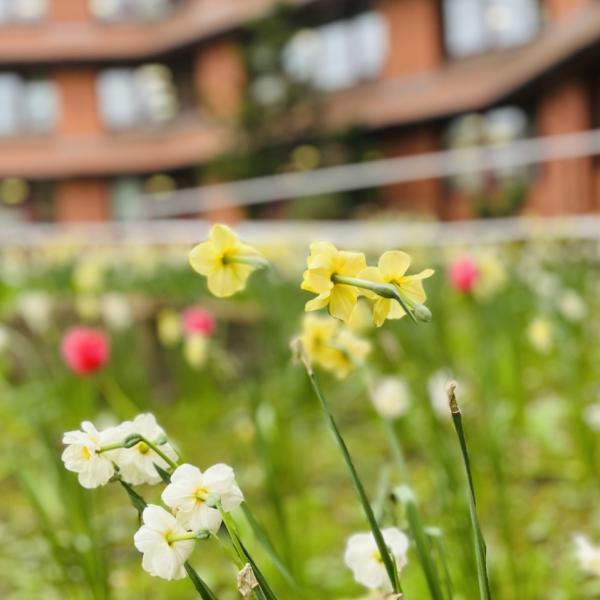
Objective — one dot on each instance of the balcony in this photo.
(50, 41)
(186, 142)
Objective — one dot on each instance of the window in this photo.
(339, 54)
(131, 10)
(26, 105)
(22, 11)
(501, 190)
(136, 97)
(473, 26)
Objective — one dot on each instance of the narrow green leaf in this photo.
(201, 587)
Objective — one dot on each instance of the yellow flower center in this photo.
(143, 448)
(377, 556)
(167, 535)
(86, 453)
(201, 494)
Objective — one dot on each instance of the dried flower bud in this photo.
(246, 581)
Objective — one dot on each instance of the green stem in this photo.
(386, 557)
(478, 540)
(172, 464)
(385, 290)
(109, 447)
(258, 262)
(407, 497)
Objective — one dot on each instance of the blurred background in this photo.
(107, 105)
(462, 131)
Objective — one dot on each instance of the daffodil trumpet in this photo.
(203, 534)
(386, 290)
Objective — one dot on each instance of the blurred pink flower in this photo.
(85, 350)
(464, 274)
(198, 320)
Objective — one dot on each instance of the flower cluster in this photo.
(339, 278)
(137, 452)
(332, 346)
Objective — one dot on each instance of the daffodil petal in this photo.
(342, 302)
(394, 263)
(317, 281)
(351, 263)
(381, 310)
(223, 238)
(203, 258)
(247, 250)
(317, 303)
(413, 289)
(228, 280)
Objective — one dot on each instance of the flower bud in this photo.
(422, 313)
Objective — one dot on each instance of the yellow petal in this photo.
(393, 264)
(396, 310)
(228, 280)
(342, 302)
(247, 250)
(317, 303)
(381, 310)
(204, 259)
(223, 238)
(413, 288)
(351, 263)
(317, 281)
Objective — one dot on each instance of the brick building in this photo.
(103, 100)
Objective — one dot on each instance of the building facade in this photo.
(103, 101)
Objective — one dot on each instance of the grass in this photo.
(534, 457)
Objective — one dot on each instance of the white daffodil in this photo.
(391, 397)
(588, 555)
(136, 464)
(83, 456)
(363, 558)
(164, 543)
(193, 494)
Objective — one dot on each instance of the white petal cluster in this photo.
(82, 454)
(162, 557)
(391, 397)
(136, 464)
(193, 495)
(588, 555)
(363, 558)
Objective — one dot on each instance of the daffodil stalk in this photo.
(387, 290)
(263, 590)
(478, 540)
(384, 552)
(407, 497)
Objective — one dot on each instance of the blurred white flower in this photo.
(391, 397)
(82, 454)
(163, 556)
(571, 306)
(436, 385)
(588, 555)
(540, 336)
(116, 311)
(136, 464)
(363, 558)
(192, 495)
(36, 309)
(591, 415)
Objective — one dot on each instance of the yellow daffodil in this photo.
(325, 264)
(332, 346)
(168, 326)
(225, 261)
(391, 269)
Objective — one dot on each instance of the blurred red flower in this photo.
(85, 350)
(198, 320)
(464, 274)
